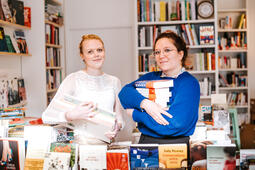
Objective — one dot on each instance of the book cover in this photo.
(117, 159)
(3, 94)
(173, 156)
(10, 33)
(18, 11)
(1, 12)
(144, 156)
(6, 10)
(3, 45)
(13, 94)
(221, 157)
(198, 159)
(67, 148)
(92, 157)
(247, 159)
(154, 83)
(21, 41)
(39, 140)
(12, 153)
(27, 16)
(56, 161)
(22, 90)
(9, 44)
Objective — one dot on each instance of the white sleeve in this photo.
(52, 114)
(118, 108)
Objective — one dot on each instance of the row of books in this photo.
(14, 11)
(53, 13)
(53, 57)
(232, 80)
(12, 91)
(203, 61)
(204, 154)
(52, 34)
(166, 10)
(12, 113)
(232, 62)
(206, 86)
(147, 62)
(13, 41)
(227, 22)
(53, 79)
(232, 41)
(191, 33)
(237, 99)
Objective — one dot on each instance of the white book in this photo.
(92, 157)
(183, 10)
(56, 161)
(218, 155)
(39, 140)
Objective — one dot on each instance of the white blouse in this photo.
(102, 90)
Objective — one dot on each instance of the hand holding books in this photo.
(156, 111)
(81, 111)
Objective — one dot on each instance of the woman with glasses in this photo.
(166, 125)
(90, 85)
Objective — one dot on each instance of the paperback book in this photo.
(117, 159)
(173, 156)
(92, 157)
(144, 156)
(221, 157)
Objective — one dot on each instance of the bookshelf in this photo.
(233, 55)
(54, 43)
(13, 56)
(149, 22)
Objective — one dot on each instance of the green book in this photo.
(9, 44)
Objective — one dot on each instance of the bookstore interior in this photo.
(39, 47)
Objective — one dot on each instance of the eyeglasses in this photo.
(165, 51)
(92, 51)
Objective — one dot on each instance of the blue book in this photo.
(144, 156)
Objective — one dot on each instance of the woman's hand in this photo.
(82, 111)
(155, 111)
(112, 134)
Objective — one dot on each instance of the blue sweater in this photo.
(184, 105)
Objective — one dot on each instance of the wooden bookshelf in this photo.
(12, 25)
(52, 23)
(13, 54)
(55, 53)
(53, 45)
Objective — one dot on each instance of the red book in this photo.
(27, 16)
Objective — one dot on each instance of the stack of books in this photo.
(157, 91)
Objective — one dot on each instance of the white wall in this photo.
(112, 20)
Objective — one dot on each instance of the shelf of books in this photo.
(154, 17)
(15, 24)
(233, 55)
(53, 44)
